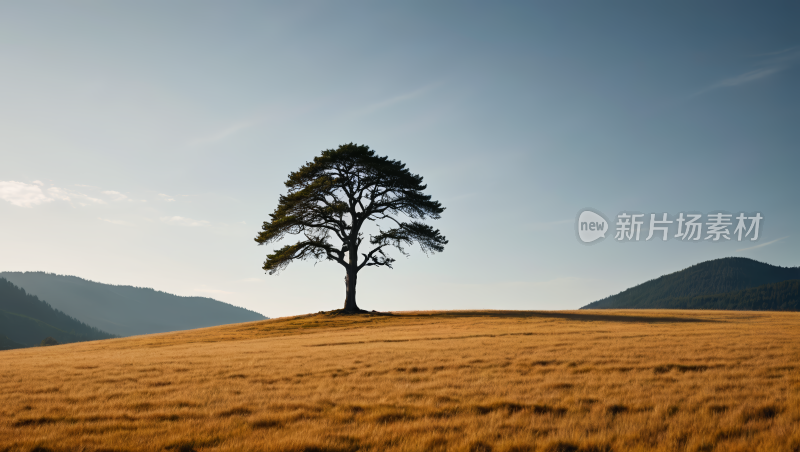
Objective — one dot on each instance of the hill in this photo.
(688, 288)
(127, 310)
(782, 296)
(25, 320)
(8, 344)
(462, 381)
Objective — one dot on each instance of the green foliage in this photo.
(48, 341)
(25, 319)
(8, 344)
(332, 197)
(729, 283)
(126, 310)
(782, 296)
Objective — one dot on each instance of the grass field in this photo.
(462, 381)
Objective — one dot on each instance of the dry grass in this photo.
(464, 381)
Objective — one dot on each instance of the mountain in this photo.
(782, 296)
(127, 310)
(728, 283)
(8, 344)
(25, 320)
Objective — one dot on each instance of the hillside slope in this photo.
(8, 344)
(496, 381)
(126, 310)
(721, 276)
(782, 296)
(26, 320)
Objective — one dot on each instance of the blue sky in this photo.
(143, 143)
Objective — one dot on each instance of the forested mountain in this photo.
(8, 344)
(25, 320)
(126, 310)
(782, 296)
(729, 283)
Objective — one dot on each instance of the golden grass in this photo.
(463, 381)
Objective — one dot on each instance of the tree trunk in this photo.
(350, 290)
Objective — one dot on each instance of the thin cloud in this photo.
(396, 100)
(183, 221)
(746, 78)
(225, 133)
(116, 195)
(774, 63)
(116, 222)
(26, 195)
(761, 245)
(81, 199)
(166, 198)
(739, 80)
(21, 194)
(784, 55)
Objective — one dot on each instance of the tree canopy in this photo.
(330, 200)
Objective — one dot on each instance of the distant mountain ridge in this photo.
(782, 296)
(127, 310)
(728, 283)
(25, 320)
(8, 344)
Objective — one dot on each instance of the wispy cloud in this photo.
(745, 78)
(225, 133)
(117, 222)
(771, 63)
(394, 100)
(183, 221)
(21, 194)
(29, 195)
(116, 196)
(36, 193)
(784, 55)
(761, 245)
(73, 197)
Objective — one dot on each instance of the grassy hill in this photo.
(732, 281)
(25, 320)
(463, 381)
(127, 310)
(8, 344)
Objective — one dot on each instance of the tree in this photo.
(48, 341)
(334, 196)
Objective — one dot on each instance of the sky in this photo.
(144, 143)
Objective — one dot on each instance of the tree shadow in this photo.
(583, 317)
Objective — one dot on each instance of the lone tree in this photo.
(334, 196)
(48, 341)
